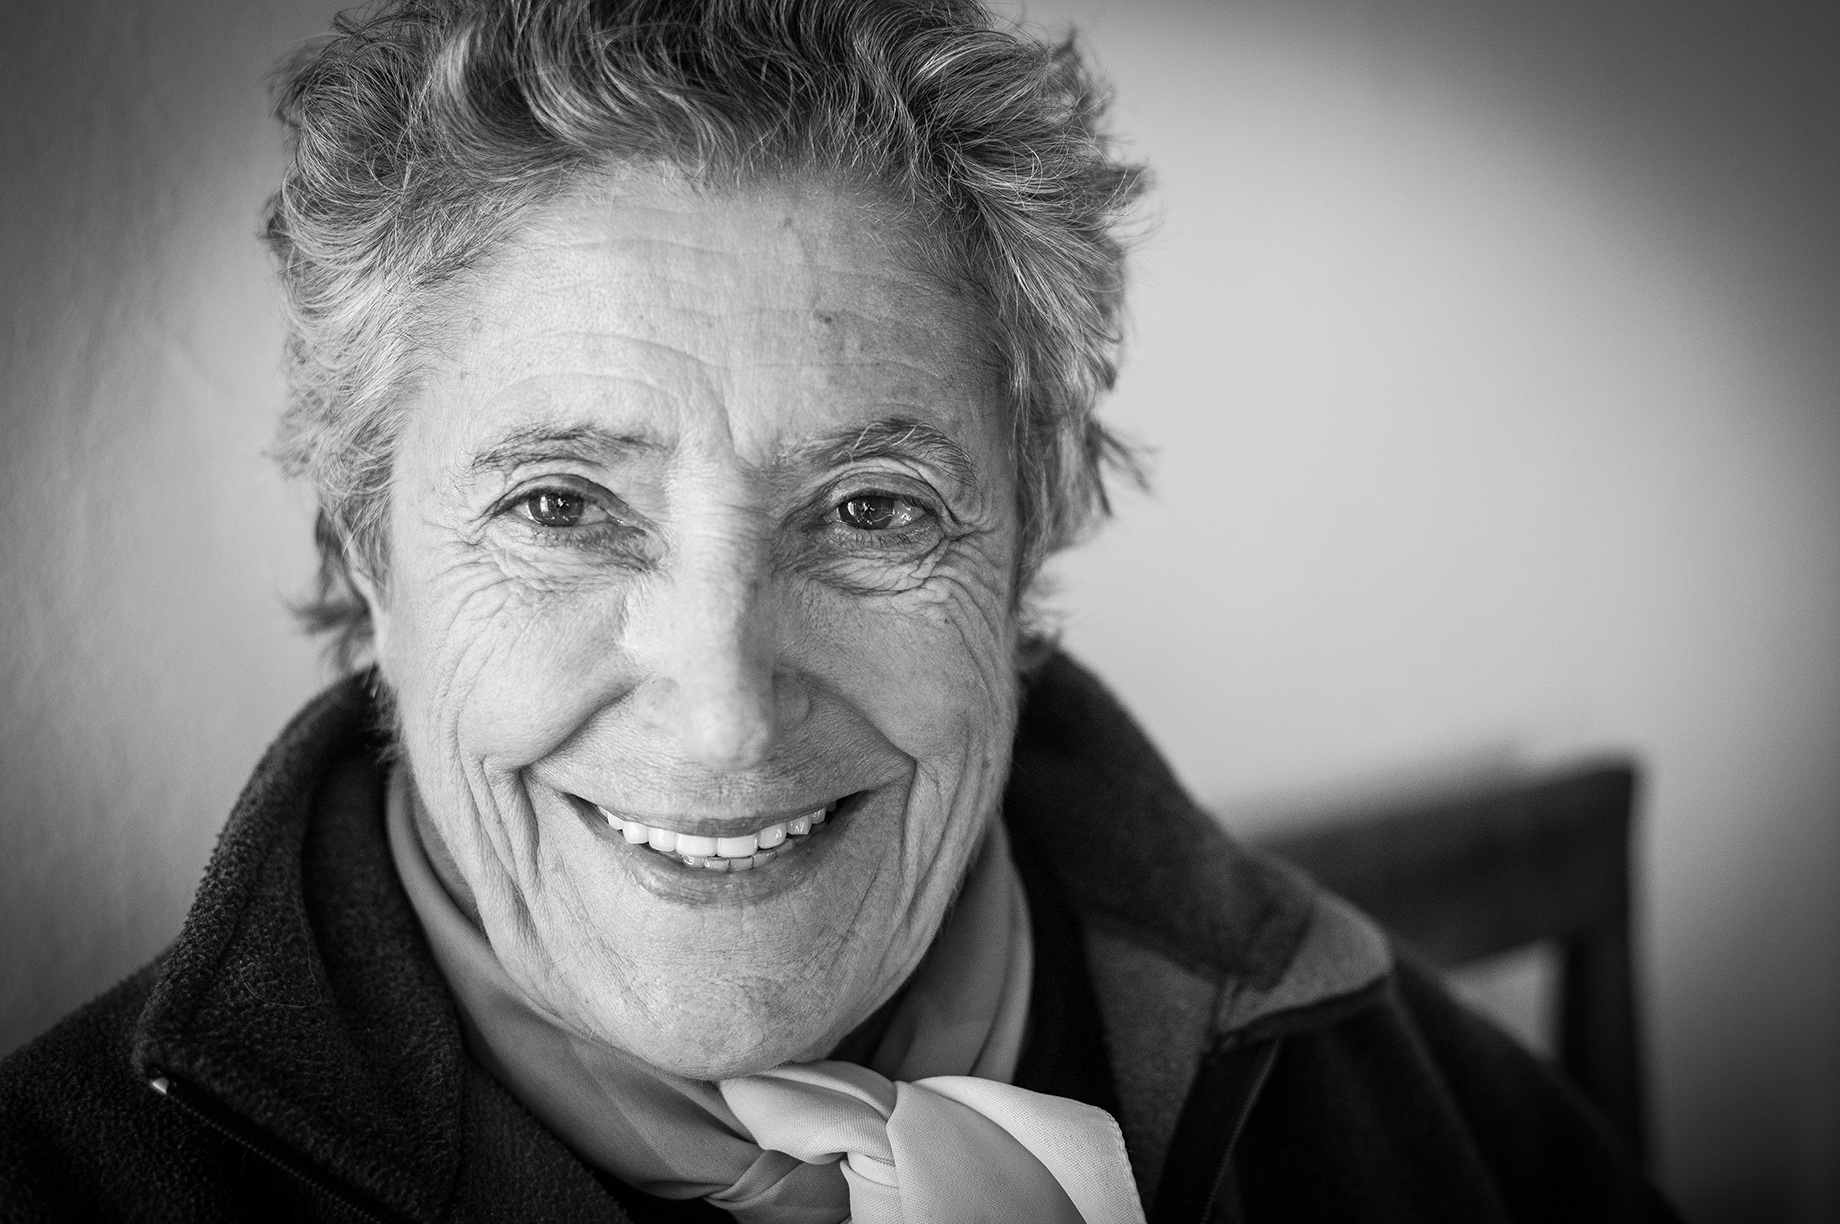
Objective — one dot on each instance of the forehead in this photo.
(762, 315)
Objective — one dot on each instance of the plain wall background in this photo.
(1489, 354)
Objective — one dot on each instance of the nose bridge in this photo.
(716, 652)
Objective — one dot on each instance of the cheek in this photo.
(492, 666)
(932, 669)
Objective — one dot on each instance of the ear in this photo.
(370, 592)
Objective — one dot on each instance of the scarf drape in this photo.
(928, 1130)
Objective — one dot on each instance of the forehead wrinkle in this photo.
(681, 266)
(695, 310)
(583, 344)
(567, 368)
(540, 389)
(677, 373)
(904, 308)
(690, 320)
(573, 230)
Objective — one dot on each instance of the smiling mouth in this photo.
(743, 852)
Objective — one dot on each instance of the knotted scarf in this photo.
(928, 1130)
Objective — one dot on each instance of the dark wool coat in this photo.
(296, 1055)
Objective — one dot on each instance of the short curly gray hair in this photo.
(422, 133)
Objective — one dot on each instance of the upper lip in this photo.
(716, 825)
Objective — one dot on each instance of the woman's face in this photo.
(705, 523)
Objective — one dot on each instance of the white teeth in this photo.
(702, 847)
(742, 847)
(743, 853)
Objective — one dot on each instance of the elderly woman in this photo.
(692, 390)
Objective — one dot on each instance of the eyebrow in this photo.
(536, 443)
(894, 438)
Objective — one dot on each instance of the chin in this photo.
(726, 1038)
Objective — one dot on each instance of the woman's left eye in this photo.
(879, 512)
(558, 508)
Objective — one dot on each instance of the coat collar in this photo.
(301, 993)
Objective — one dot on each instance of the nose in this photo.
(713, 658)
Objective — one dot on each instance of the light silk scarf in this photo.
(930, 1130)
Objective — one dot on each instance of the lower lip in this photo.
(668, 873)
